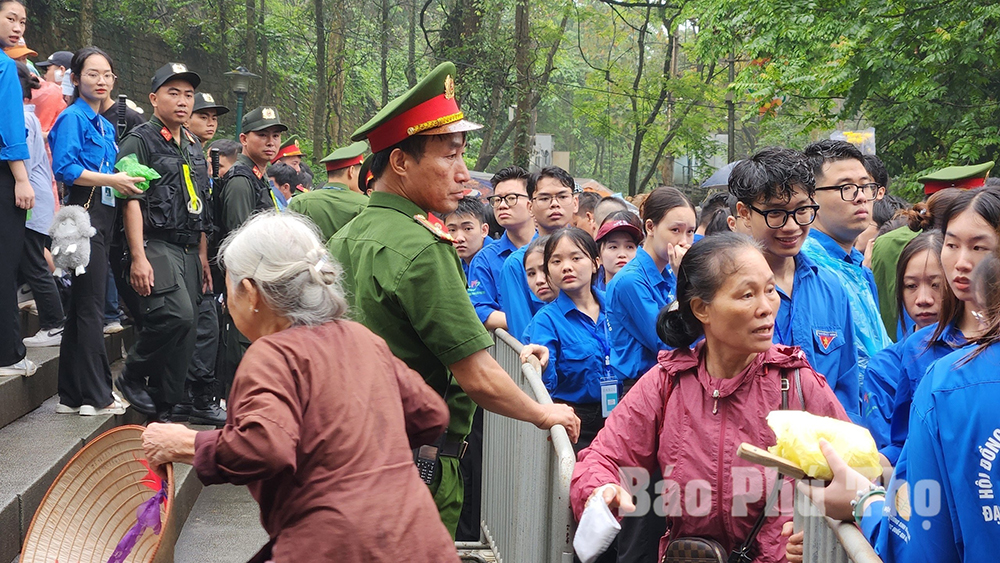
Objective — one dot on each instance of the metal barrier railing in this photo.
(827, 540)
(526, 517)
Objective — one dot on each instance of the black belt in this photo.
(182, 238)
(453, 446)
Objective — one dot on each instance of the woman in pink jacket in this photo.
(689, 413)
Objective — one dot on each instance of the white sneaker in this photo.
(114, 408)
(25, 367)
(63, 409)
(113, 327)
(43, 338)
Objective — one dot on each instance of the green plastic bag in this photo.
(130, 165)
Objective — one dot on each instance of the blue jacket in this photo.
(917, 358)
(467, 267)
(81, 140)
(13, 134)
(951, 467)
(817, 318)
(577, 349)
(519, 302)
(484, 277)
(878, 391)
(635, 296)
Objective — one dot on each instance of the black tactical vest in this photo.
(166, 208)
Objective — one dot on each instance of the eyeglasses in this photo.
(776, 218)
(546, 200)
(509, 199)
(107, 76)
(850, 191)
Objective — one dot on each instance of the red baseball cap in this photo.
(621, 225)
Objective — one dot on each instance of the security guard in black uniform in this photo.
(166, 231)
(243, 191)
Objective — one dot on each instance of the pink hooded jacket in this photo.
(690, 424)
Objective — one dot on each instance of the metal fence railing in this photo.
(827, 540)
(526, 516)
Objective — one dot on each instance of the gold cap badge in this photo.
(178, 67)
(449, 87)
(268, 113)
(208, 98)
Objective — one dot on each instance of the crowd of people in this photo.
(667, 331)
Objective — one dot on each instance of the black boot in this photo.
(135, 393)
(206, 410)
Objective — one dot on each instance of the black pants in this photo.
(164, 344)
(84, 373)
(34, 271)
(471, 466)
(591, 423)
(201, 371)
(12, 230)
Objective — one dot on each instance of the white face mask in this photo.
(58, 76)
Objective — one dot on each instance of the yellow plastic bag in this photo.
(799, 432)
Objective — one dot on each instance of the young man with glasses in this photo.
(846, 194)
(510, 207)
(553, 205)
(775, 189)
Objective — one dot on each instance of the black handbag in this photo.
(704, 550)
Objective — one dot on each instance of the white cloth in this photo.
(597, 529)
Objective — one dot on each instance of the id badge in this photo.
(609, 396)
(107, 196)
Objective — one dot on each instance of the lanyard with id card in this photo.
(610, 386)
(107, 192)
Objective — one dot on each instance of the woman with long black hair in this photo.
(83, 158)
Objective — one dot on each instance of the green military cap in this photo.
(262, 118)
(429, 108)
(289, 148)
(963, 177)
(204, 101)
(345, 156)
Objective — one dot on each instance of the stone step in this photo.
(20, 395)
(38, 445)
(223, 527)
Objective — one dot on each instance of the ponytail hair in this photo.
(703, 271)
(928, 215)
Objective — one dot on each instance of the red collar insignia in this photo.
(166, 134)
(257, 172)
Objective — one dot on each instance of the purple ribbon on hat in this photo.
(148, 516)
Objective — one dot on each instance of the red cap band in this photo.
(290, 150)
(334, 165)
(931, 186)
(435, 112)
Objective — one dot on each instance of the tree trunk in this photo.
(411, 47)
(322, 79)
(384, 69)
(265, 97)
(522, 65)
(250, 45)
(86, 22)
(336, 44)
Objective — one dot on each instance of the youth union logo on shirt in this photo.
(825, 338)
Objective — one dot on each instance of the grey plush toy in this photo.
(71, 232)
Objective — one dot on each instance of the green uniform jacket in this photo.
(405, 283)
(885, 256)
(239, 199)
(330, 207)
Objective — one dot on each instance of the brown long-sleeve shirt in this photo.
(320, 427)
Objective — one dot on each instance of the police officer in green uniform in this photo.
(339, 200)
(406, 281)
(166, 232)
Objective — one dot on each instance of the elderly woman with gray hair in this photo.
(322, 417)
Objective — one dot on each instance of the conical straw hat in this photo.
(93, 502)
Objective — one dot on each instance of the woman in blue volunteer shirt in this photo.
(575, 330)
(16, 195)
(968, 224)
(83, 158)
(942, 504)
(920, 289)
(648, 282)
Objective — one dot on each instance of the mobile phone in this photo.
(426, 459)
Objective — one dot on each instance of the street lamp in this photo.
(240, 78)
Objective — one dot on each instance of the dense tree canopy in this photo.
(624, 86)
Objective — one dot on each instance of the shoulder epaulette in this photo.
(436, 229)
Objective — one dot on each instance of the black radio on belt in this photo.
(426, 457)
